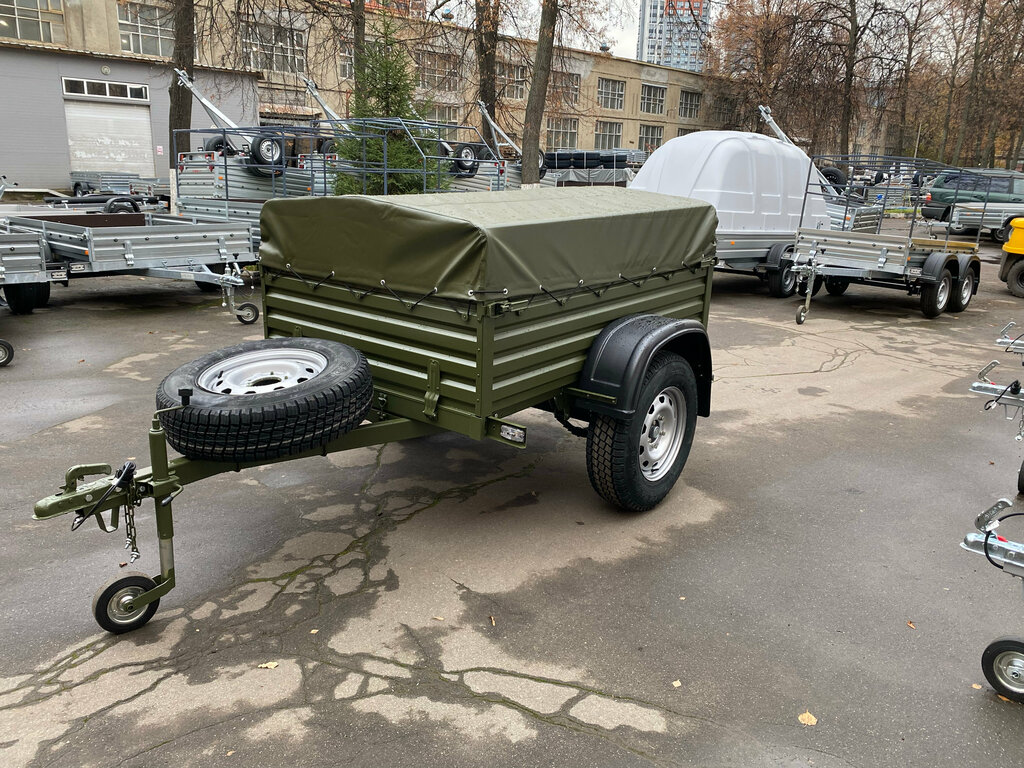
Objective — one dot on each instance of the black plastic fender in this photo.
(969, 261)
(775, 254)
(935, 263)
(619, 356)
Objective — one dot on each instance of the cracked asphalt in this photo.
(444, 602)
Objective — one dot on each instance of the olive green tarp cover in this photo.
(486, 242)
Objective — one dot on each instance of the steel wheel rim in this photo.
(117, 607)
(966, 289)
(247, 313)
(259, 371)
(942, 296)
(275, 151)
(5, 354)
(1009, 670)
(467, 153)
(788, 280)
(662, 434)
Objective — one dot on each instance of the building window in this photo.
(686, 131)
(274, 47)
(689, 105)
(438, 71)
(39, 20)
(511, 80)
(562, 133)
(724, 110)
(447, 115)
(105, 89)
(610, 93)
(346, 62)
(146, 29)
(607, 135)
(564, 87)
(652, 99)
(650, 137)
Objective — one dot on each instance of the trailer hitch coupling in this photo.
(123, 479)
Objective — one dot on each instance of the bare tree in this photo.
(538, 88)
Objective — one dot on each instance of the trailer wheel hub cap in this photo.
(120, 608)
(662, 434)
(1009, 668)
(269, 370)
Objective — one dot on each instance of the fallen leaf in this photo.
(439, 618)
(230, 753)
(121, 565)
(1003, 698)
(976, 687)
(313, 631)
(492, 621)
(911, 625)
(82, 360)
(269, 665)
(676, 683)
(682, 598)
(992, 462)
(807, 718)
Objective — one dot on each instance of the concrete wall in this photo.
(33, 131)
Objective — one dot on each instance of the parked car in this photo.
(973, 185)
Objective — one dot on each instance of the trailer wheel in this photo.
(111, 601)
(266, 399)
(214, 144)
(1003, 665)
(79, 190)
(21, 297)
(1020, 475)
(466, 163)
(782, 281)
(6, 352)
(247, 313)
(1015, 279)
(935, 296)
(836, 286)
(1001, 234)
(962, 292)
(634, 463)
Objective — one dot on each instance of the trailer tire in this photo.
(935, 296)
(836, 286)
(298, 394)
(466, 163)
(42, 295)
(215, 144)
(835, 177)
(801, 288)
(637, 481)
(1003, 665)
(21, 297)
(1020, 472)
(6, 352)
(79, 190)
(107, 606)
(1015, 279)
(1001, 234)
(963, 291)
(782, 281)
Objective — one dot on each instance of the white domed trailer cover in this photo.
(756, 184)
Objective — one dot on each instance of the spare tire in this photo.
(834, 176)
(267, 399)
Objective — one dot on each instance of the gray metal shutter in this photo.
(109, 137)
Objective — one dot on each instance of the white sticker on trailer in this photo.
(109, 137)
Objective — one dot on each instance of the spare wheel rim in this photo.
(664, 426)
(260, 371)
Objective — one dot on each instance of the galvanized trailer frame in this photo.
(75, 245)
(944, 272)
(995, 217)
(438, 364)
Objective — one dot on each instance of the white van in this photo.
(756, 184)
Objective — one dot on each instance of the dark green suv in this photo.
(971, 186)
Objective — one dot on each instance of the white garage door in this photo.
(109, 137)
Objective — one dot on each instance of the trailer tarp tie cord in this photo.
(989, 534)
(596, 293)
(1013, 385)
(123, 478)
(560, 302)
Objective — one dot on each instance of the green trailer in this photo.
(389, 318)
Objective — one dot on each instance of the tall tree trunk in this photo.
(539, 89)
(949, 110)
(184, 58)
(358, 43)
(972, 86)
(850, 64)
(488, 14)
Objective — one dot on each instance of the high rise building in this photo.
(671, 32)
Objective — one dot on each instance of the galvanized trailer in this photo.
(945, 273)
(84, 245)
(994, 217)
(390, 318)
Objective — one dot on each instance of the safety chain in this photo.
(130, 541)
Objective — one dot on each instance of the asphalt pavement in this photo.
(445, 602)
